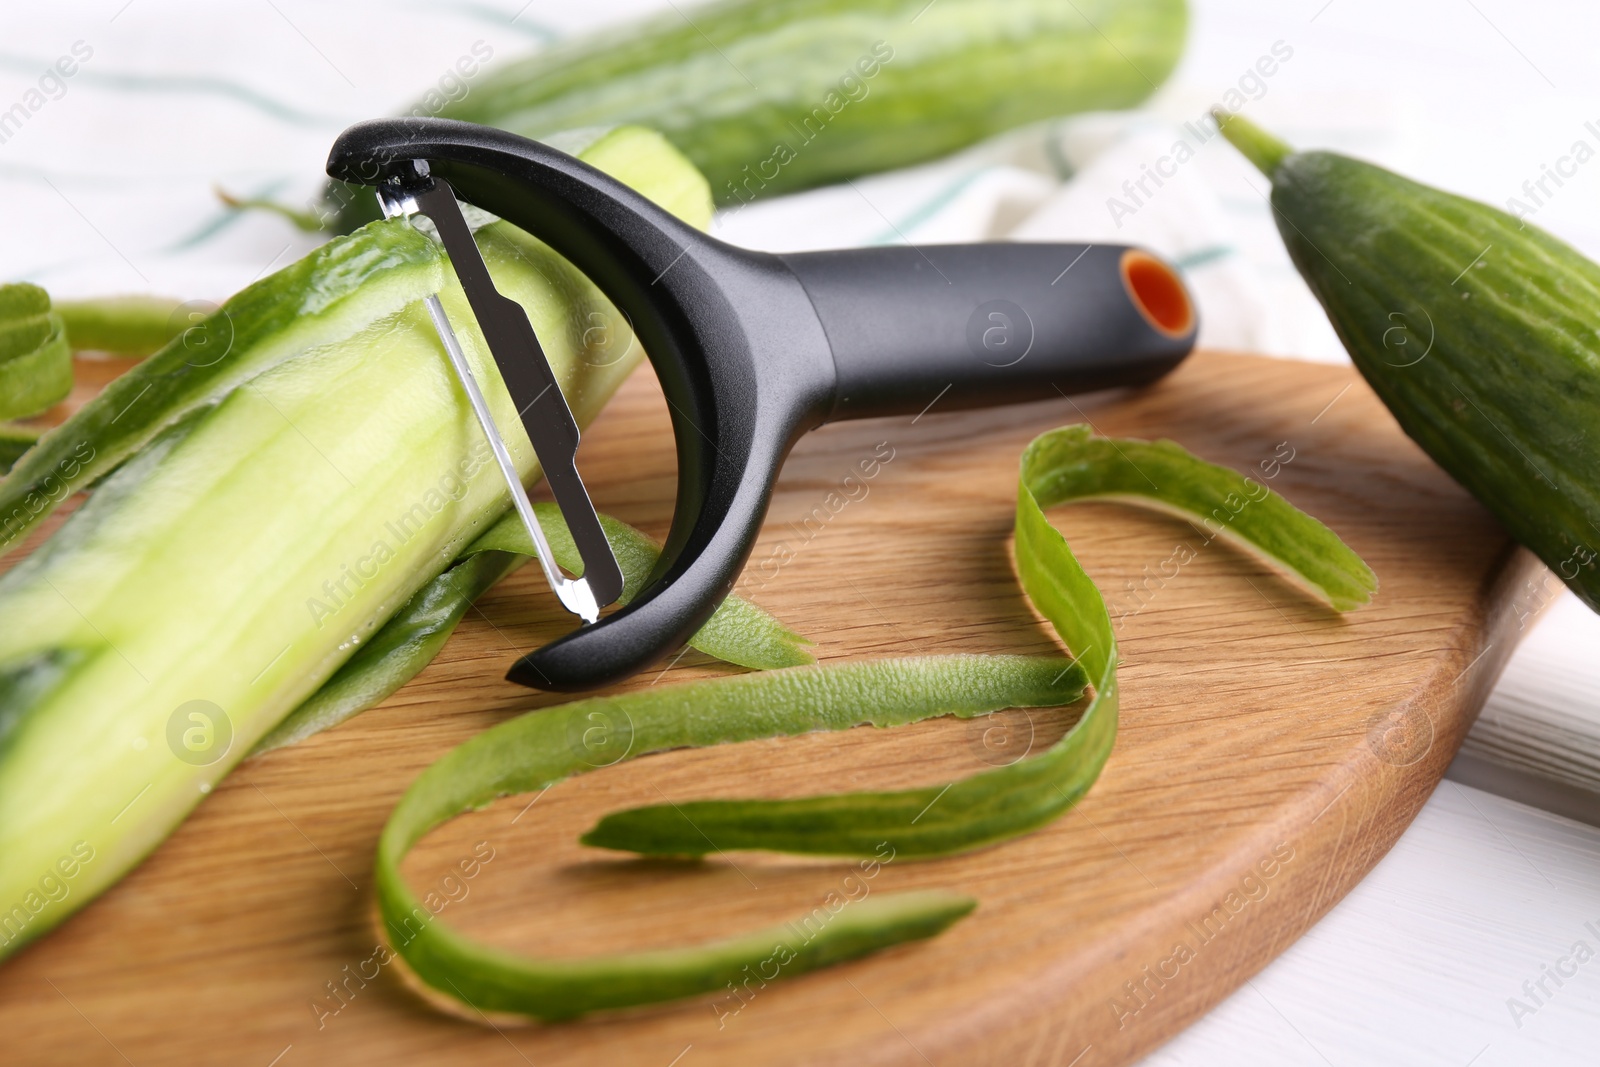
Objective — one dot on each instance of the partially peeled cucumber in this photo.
(1480, 332)
(268, 490)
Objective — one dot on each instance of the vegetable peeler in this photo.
(752, 350)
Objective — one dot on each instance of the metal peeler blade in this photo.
(532, 384)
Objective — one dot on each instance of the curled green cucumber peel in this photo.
(35, 360)
(539, 749)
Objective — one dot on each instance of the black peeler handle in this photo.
(752, 350)
(985, 324)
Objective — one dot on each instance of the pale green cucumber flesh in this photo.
(738, 632)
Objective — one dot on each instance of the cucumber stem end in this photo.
(1256, 144)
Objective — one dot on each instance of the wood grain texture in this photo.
(1270, 752)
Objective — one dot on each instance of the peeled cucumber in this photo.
(265, 503)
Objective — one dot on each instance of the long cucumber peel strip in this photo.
(739, 632)
(35, 360)
(1072, 463)
(541, 748)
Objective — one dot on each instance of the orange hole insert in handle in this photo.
(1158, 293)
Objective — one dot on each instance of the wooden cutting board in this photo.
(1270, 752)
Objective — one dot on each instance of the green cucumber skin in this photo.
(306, 304)
(740, 80)
(1506, 399)
(190, 572)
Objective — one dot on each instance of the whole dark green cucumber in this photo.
(771, 96)
(1479, 331)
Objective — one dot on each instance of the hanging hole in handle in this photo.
(1158, 293)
